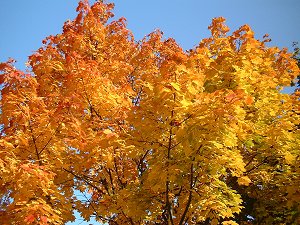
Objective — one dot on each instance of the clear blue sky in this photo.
(25, 23)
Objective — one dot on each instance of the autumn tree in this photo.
(149, 133)
(296, 56)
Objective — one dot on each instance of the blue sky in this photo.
(24, 24)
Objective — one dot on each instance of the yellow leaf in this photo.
(192, 89)
(244, 180)
(230, 140)
(109, 160)
(289, 158)
(175, 86)
(107, 131)
(218, 145)
(185, 103)
(187, 149)
(230, 222)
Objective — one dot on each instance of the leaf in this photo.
(107, 131)
(176, 86)
(289, 158)
(185, 103)
(44, 219)
(229, 222)
(249, 100)
(214, 221)
(218, 145)
(230, 140)
(29, 219)
(244, 180)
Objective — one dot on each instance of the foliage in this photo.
(296, 56)
(150, 134)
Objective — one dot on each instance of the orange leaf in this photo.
(249, 100)
(30, 218)
(230, 97)
(44, 219)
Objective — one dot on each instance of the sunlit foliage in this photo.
(150, 133)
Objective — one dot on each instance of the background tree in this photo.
(149, 133)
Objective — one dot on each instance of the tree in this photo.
(149, 133)
(296, 56)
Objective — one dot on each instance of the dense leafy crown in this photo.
(149, 133)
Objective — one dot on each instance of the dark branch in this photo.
(190, 195)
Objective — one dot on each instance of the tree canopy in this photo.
(147, 132)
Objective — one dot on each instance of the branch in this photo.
(96, 214)
(255, 167)
(49, 139)
(168, 204)
(117, 171)
(251, 160)
(111, 180)
(151, 142)
(127, 218)
(35, 145)
(82, 179)
(179, 192)
(190, 196)
(89, 101)
(139, 166)
(178, 143)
